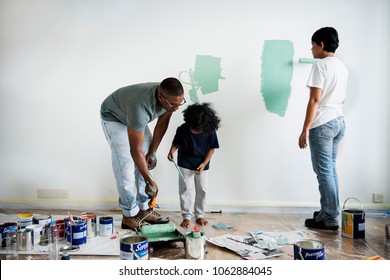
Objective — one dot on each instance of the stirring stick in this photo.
(178, 170)
(71, 218)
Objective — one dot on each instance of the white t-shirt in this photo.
(331, 75)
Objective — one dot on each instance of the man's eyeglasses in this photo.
(174, 106)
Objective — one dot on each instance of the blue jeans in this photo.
(129, 181)
(324, 141)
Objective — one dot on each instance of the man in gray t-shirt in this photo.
(125, 115)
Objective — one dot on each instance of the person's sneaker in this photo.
(312, 223)
(132, 223)
(315, 214)
(152, 217)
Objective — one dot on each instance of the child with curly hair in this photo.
(195, 141)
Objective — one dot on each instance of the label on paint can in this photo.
(134, 247)
(91, 223)
(61, 229)
(4, 229)
(42, 219)
(309, 250)
(36, 233)
(76, 233)
(24, 220)
(106, 226)
(353, 222)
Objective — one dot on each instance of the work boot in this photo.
(152, 217)
(132, 222)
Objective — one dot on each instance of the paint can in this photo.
(24, 220)
(195, 245)
(353, 221)
(106, 226)
(25, 239)
(67, 219)
(309, 250)
(387, 234)
(36, 233)
(76, 233)
(61, 229)
(134, 247)
(41, 220)
(90, 219)
(4, 229)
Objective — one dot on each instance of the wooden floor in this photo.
(337, 247)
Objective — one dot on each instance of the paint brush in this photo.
(178, 170)
(71, 218)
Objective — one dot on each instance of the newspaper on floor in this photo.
(250, 240)
(240, 244)
(276, 238)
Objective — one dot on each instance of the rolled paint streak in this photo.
(276, 75)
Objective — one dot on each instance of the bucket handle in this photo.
(354, 199)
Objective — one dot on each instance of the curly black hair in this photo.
(201, 117)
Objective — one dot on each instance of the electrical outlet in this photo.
(52, 193)
(377, 198)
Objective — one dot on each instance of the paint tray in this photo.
(162, 233)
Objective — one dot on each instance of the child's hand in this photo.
(170, 156)
(200, 168)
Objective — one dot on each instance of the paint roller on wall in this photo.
(307, 60)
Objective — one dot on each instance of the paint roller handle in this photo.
(151, 189)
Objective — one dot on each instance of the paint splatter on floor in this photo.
(222, 226)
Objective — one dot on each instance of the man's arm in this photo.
(312, 107)
(136, 139)
(159, 132)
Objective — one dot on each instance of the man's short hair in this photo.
(328, 36)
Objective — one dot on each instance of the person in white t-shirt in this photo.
(324, 124)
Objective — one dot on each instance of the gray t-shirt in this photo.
(134, 106)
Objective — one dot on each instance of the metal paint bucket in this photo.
(61, 229)
(195, 247)
(24, 220)
(106, 226)
(36, 233)
(4, 228)
(76, 233)
(309, 250)
(91, 224)
(353, 221)
(134, 247)
(25, 239)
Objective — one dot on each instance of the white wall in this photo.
(60, 59)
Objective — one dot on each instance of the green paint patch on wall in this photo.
(204, 77)
(276, 75)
